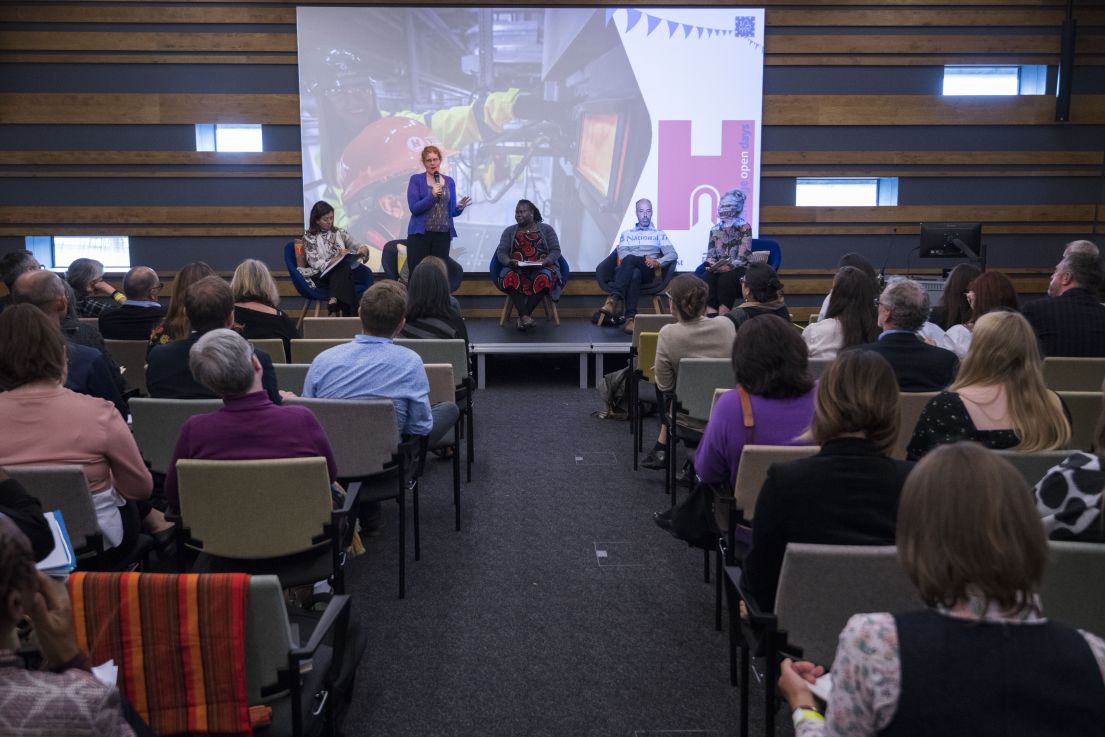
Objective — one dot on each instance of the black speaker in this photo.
(1066, 70)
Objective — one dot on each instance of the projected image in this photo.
(557, 106)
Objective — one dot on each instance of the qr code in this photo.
(744, 26)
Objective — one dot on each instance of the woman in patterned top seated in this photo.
(981, 659)
(727, 255)
(325, 249)
(530, 241)
(998, 398)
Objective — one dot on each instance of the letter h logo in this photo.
(685, 178)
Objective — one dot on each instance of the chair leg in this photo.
(508, 307)
(545, 307)
(771, 675)
(303, 314)
(744, 696)
(414, 508)
(468, 440)
(719, 571)
(555, 311)
(456, 474)
(402, 536)
(657, 304)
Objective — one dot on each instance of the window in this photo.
(228, 137)
(57, 252)
(1028, 79)
(846, 192)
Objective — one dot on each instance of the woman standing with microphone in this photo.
(432, 199)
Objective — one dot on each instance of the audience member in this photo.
(372, 366)
(982, 659)
(855, 260)
(94, 295)
(643, 252)
(1070, 321)
(89, 371)
(248, 426)
(1087, 247)
(430, 313)
(26, 512)
(140, 312)
(1070, 496)
(999, 398)
(954, 309)
(848, 493)
(692, 335)
(77, 331)
(851, 318)
(989, 291)
(255, 305)
(14, 264)
(46, 423)
(66, 700)
(175, 326)
(773, 387)
(763, 295)
(920, 367)
(208, 305)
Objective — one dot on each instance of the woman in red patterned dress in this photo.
(529, 253)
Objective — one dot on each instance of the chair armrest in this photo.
(756, 616)
(338, 605)
(352, 494)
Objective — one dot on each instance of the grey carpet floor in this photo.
(559, 609)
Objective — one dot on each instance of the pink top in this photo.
(46, 423)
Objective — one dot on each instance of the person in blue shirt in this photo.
(643, 251)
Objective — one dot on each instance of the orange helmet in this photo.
(384, 149)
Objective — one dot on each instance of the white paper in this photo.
(821, 687)
(106, 673)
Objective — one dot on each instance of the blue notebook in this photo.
(61, 561)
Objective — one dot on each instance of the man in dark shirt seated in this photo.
(89, 371)
(918, 366)
(209, 305)
(14, 264)
(1070, 321)
(140, 312)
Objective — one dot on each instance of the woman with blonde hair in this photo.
(848, 493)
(175, 326)
(255, 305)
(981, 658)
(998, 398)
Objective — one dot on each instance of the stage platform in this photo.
(576, 336)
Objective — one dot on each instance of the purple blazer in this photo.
(420, 199)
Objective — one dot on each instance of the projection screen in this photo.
(582, 111)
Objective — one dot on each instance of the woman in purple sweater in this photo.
(770, 363)
(248, 426)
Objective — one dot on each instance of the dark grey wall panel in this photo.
(1058, 137)
(1004, 191)
(127, 137)
(153, 191)
(224, 254)
(841, 80)
(165, 78)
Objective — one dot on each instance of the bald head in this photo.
(140, 283)
(44, 290)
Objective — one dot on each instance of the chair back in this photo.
(817, 366)
(648, 324)
(752, 471)
(130, 355)
(656, 286)
(440, 350)
(1065, 595)
(268, 638)
(298, 281)
(363, 433)
(306, 350)
(62, 487)
(646, 355)
(717, 395)
(252, 510)
(156, 425)
(93, 321)
(442, 386)
(695, 382)
(1070, 374)
(774, 253)
(911, 405)
(1033, 466)
(290, 377)
(1085, 408)
(342, 328)
(821, 586)
(274, 347)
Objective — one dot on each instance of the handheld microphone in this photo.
(437, 177)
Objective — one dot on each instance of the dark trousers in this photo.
(339, 283)
(421, 245)
(630, 275)
(525, 304)
(725, 287)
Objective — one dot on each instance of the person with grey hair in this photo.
(94, 295)
(1081, 247)
(12, 265)
(140, 312)
(1070, 321)
(903, 309)
(248, 426)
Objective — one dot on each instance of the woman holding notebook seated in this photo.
(982, 659)
(529, 253)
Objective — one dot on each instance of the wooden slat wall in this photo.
(819, 34)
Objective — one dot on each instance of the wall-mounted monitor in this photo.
(952, 240)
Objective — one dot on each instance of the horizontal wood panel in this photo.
(1000, 158)
(1010, 43)
(152, 158)
(146, 58)
(144, 41)
(917, 213)
(934, 60)
(851, 229)
(150, 174)
(131, 215)
(658, 3)
(95, 13)
(139, 108)
(226, 231)
(778, 109)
